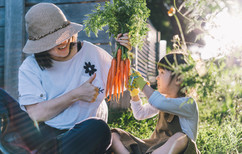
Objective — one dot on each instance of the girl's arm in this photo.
(140, 111)
(183, 106)
(147, 90)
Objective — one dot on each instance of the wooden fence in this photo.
(2, 25)
(13, 38)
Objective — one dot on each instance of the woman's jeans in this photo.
(91, 136)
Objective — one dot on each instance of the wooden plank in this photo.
(152, 49)
(142, 64)
(1, 56)
(76, 12)
(62, 1)
(142, 71)
(2, 3)
(151, 62)
(152, 72)
(106, 47)
(142, 68)
(142, 60)
(14, 34)
(152, 58)
(146, 47)
(1, 36)
(151, 68)
(143, 54)
(124, 102)
(102, 37)
(2, 16)
(1, 66)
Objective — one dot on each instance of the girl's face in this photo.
(164, 81)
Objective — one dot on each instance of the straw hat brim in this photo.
(51, 40)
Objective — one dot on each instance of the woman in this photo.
(62, 84)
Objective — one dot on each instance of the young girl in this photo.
(176, 128)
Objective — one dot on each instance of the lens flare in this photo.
(224, 35)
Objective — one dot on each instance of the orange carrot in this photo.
(125, 67)
(122, 75)
(118, 83)
(108, 81)
(117, 76)
(115, 88)
(119, 54)
(113, 72)
(127, 63)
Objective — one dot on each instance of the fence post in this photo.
(13, 42)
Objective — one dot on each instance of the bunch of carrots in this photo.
(118, 75)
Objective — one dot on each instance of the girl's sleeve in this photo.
(183, 106)
(142, 112)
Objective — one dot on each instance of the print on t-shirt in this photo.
(89, 68)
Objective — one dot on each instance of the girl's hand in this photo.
(134, 92)
(86, 92)
(123, 39)
(137, 81)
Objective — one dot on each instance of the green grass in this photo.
(212, 136)
(220, 115)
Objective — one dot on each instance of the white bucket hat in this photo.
(47, 27)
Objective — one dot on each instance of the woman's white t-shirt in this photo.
(36, 85)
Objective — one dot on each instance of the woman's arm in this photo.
(46, 110)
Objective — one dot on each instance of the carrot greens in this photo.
(121, 16)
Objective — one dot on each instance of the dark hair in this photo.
(171, 60)
(44, 59)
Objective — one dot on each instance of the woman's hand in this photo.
(123, 39)
(51, 108)
(86, 92)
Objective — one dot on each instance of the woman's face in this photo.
(61, 51)
(163, 81)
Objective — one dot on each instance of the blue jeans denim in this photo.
(91, 136)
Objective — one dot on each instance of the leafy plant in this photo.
(121, 16)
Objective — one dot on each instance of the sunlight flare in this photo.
(224, 35)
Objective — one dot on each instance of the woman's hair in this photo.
(171, 60)
(44, 59)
